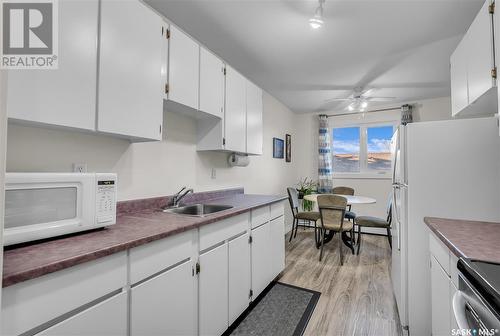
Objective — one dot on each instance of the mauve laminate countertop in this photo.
(468, 239)
(131, 230)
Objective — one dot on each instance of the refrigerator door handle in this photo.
(396, 186)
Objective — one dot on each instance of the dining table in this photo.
(351, 200)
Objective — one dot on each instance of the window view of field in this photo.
(346, 148)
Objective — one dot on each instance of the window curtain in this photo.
(325, 166)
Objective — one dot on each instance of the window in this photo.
(346, 149)
(362, 149)
(379, 147)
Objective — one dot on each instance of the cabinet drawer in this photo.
(277, 209)
(34, 302)
(260, 216)
(440, 252)
(214, 233)
(154, 257)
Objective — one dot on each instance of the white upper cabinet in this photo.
(131, 70)
(211, 84)
(65, 96)
(480, 54)
(254, 119)
(458, 76)
(183, 69)
(472, 67)
(235, 112)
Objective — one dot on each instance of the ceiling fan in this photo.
(359, 99)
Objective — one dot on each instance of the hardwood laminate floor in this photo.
(356, 298)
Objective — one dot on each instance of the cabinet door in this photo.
(453, 320)
(66, 96)
(440, 287)
(235, 111)
(277, 245)
(106, 318)
(211, 84)
(479, 42)
(183, 69)
(239, 276)
(261, 263)
(458, 75)
(213, 293)
(131, 80)
(254, 119)
(165, 304)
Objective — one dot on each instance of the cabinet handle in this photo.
(198, 268)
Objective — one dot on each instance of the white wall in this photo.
(158, 168)
(432, 109)
(380, 189)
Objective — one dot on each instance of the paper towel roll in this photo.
(238, 160)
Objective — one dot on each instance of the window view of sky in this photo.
(379, 139)
(346, 140)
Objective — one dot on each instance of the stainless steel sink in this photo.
(198, 210)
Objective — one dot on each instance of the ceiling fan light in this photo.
(316, 22)
(364, 105)
(350, 107)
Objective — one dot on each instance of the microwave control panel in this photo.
(106, 201)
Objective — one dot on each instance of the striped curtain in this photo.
(325, 167)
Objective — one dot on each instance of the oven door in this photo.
(45, 205)
(472, 312)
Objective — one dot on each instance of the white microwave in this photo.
(44, 205)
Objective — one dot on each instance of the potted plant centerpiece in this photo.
(306, 186)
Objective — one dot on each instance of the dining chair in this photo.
(350, 215)
(332, 210)
(310, 216)
(375, 222)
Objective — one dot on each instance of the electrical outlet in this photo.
(79, 167)
(214, 174)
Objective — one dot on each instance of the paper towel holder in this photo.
(238, 160)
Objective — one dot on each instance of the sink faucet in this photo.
(179, 196)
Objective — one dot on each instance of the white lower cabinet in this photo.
(440, 287)
(277, 245)
(106, 318)
(165, 304)
(239, 275)
(444, 282)
(261, 265)
(193, 283)
(213, 291)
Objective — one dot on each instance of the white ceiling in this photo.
(401, 47)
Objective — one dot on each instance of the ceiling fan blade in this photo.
(336, 99)
(380, 99)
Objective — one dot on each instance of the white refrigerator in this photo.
(441, 169)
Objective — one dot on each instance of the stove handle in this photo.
(459, 309)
